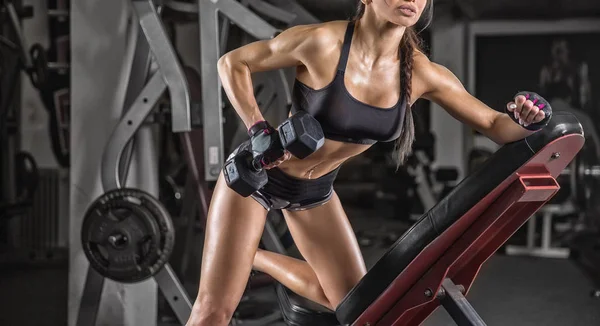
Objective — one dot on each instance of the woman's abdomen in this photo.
(323, 161)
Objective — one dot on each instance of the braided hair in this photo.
(409, 43)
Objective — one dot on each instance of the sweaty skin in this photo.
(371, 77)
(333, 261)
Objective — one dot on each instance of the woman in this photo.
(359, 80)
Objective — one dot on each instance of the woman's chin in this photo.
(404, 21)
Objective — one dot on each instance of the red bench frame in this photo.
(460, 251)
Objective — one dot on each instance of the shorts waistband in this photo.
(284, 191)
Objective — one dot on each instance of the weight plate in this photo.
(127, 235)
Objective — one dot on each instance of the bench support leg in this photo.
(458, 306)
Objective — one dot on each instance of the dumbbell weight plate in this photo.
(302, 135)
(127, 235)
(241, 177)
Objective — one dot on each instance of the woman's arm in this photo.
(293, 47)
(443, 87)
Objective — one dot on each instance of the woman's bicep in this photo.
(449, 93)
(288, 49)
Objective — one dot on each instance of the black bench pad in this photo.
(509, 158)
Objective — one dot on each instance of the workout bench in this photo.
(436, 261)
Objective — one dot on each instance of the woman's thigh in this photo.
(326, 240)
(233, 231)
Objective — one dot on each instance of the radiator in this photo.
(45, 226)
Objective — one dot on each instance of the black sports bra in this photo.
(343, 117)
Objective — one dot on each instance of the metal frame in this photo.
(458, 307)
(213, 39)
(11, 140)
(168, 63)
(459, 252)
(210, 52)
(142, 95)
(152, 38)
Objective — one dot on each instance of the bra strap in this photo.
(346, 47)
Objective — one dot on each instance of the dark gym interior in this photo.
(102, 101)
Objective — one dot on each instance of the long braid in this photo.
(403, 146)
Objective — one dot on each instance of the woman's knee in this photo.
(337, 293)
(317, 292)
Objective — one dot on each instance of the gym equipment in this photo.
(430, 184)
(582, 179)
(26, 179)
(584, 175)
(435, 262)
(143, 93)
(273, 96)
(48, 71)
(425, 185)
(477, 157)
(301, 135)
(127, 235)
(546, 249)
(584, 244)
(215, 18)
(19, 174)
(211, 48)
(27, 176)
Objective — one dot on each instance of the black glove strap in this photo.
(259, 127)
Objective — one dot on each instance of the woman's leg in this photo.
(295, 274)
(334, 263)
(233, 229)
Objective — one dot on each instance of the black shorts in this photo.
(284, 191)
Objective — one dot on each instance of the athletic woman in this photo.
(359, 79)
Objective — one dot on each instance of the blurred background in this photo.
(98, 95)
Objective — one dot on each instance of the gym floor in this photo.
(516, 291)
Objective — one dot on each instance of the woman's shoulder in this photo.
(329, 32)
(422, 65)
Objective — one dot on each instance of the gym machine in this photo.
(212, 45)
(577, 200)
(19, 174)
(48, 71)
(431, 185)
(436, 261)
(417, 186)
(127, 235)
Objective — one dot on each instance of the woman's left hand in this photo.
(286, 156)
(525, 111)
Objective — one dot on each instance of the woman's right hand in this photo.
(266, 146)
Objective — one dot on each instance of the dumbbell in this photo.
(300, 134)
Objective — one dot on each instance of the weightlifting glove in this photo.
(266, 146)
(541, 103)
